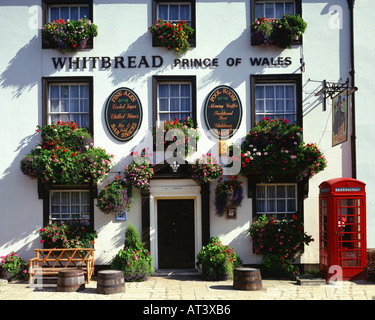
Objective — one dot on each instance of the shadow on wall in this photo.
(21, 210)
(22, 74)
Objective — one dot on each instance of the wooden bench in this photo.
(51, 261)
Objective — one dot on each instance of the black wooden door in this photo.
(176, 233)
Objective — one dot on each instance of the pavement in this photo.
(191, 287)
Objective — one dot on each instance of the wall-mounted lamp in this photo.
(174, 166)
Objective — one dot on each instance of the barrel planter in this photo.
(110, 282)
(70, 280)
(247, 279)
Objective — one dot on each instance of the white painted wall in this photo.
(223, 31)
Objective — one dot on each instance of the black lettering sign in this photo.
(123, 114)
(223, 112)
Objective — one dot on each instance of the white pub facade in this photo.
(293, 83)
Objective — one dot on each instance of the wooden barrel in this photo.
(247, 279)
(70, 280)
(110, 282)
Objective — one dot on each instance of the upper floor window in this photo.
(274, 9)
(174, 12)
(72, 12)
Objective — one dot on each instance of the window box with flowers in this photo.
(66, 156)
(173, 36)
(69, 35)
(274, 149)
(186, 145)
(282, 33)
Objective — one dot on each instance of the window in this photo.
(274, 9)
(276, 199)
(72, 12)
(276, 96)
(175, 10)
(174, 98)
(67, 205)
(68, 99)
(275, 101)
(174, 101)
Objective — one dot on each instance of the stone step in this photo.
(310, 280)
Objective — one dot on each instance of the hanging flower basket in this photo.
(281, 33)
(139, 171)
(186, 145)
(228, 194)
(69, 35)
(274, 148)
(116, 197)
(205, 169)
(173, 36)
(66, 155)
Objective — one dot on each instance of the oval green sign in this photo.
(223, 112)
(123, 114)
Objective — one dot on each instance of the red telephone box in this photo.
(342, 229)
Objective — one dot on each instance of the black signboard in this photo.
(223, 112)
(123, 114)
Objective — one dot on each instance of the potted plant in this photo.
(139, 171)
(217, 260)
(205, 169)
(69, 35)
(66, 155)
(279, 242)
(173, 36)
(116, 197)
(186, 127)
(278, 32)
(274, 148)
(228, 193)
(13, 267)
(133, 260)
(75, 234)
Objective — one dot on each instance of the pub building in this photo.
(123, 83)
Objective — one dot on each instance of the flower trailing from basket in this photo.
(69, 35)
(139, 171)
(217, 260)
(66, 155)
(75, 234)
(278, 32)
(279, 242)
(187, 136)
(228, 193)
(205, 169)
(173, 36)
(133, 260)
(116, 197)
(274, 148)
(13, 267)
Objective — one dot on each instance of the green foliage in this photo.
(116, 197)
(173, 36)
(279, 242)
(14, 267)
(68, 235)
(205, 169)
(217, 260)
(133, 260)
(66, 155)
(275, 148)
(70, 35)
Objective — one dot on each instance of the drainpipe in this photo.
(352, 74)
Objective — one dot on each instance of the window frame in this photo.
(45, 13)
(156, 80)
(297, 7)
(275, 79)
(47, 81)
(155, 4)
